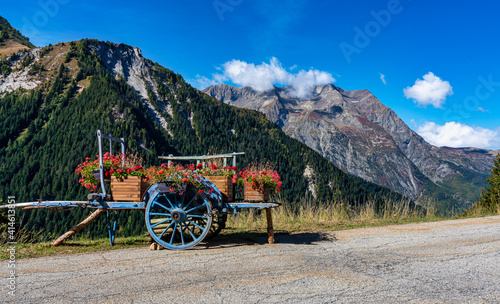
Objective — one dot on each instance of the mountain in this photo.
(11, 40)
(53, 99)
(360, 135)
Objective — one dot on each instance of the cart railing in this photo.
(201, 159)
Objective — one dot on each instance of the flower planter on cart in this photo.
(225, 186)
(128, 189)
(256, 192)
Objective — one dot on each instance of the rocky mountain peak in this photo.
(359, 134)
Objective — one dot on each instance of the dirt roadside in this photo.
(439, 262)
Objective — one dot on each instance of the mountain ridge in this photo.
(360, 135)
(11, 40)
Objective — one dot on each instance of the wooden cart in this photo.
(174, 219)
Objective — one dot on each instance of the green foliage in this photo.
(46, 50)
(8, 32)
(5, 68)
(27, 60)
(36, 68)
(490, 196)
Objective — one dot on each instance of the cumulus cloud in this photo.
(455, 134)
(429, 91)
(382, 77)
(260, 77)
(304, 82)
(264, 76)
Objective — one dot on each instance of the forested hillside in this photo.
(46, 131)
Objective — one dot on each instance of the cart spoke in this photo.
(165, 230)
(182, 234)
(161, 205)
(190, 232)
(159, 223)
(183, 197)
(202, 229)
(170, 203)
(162, 214)
(195, 208)
(198, 216)
(189, 202)
(173, 234)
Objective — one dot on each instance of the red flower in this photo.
(200, 191)
(199, 166)
(185, 180)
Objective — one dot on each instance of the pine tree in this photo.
(490, 197)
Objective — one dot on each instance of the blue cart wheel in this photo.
(178, 220)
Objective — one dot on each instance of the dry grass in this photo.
(11, 47)
(479, 210)
(309, 216)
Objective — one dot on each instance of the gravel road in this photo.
(442, 262)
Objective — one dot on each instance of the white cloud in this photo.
(455, 134)
(481, 109)
(204, 82)
(260, 77)
(304, 82)
(429, 91)
(382, 77)
(265, 75)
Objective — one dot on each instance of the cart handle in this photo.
(111, 139)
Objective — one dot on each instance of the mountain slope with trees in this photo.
(56, 97)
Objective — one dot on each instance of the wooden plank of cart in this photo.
(175, 219)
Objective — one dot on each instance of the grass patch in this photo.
(33, 250)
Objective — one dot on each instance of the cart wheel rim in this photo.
(178, 220)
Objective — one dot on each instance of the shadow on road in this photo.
(229, 240)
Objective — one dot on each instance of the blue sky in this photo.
(451, 48)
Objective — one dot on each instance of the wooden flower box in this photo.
(225, 186)
(128, 189)
(256, 193)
